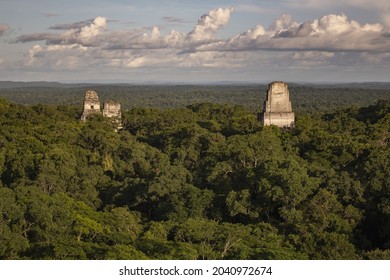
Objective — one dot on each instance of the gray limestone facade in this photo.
(112, 109)
(277, 108)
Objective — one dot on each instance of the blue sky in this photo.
(195, 41)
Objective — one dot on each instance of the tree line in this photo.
(305, 98)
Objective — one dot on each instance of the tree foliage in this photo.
(204, 181)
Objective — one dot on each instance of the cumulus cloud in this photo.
(91, 33)
(77, 33)
(203, 32)
(327, 26)
(150, 38)
(56, 57)
(284, 22)
(210, 23)
(3, 28)
(92, 29)
(332, 32)
(312, 58)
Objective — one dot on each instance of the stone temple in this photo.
(91, 104)
(111, 109)
(277, 108)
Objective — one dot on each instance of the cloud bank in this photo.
(333, 33)
(333, 39)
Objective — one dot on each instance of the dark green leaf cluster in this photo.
(204, 181)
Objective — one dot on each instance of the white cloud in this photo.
(338, 24)
(57, 57)
(135, 62)
(381, 59)
(83, 34)
(89, 31)
(283, 23)
(329, 25)
(334, 33)
(312, 58)
(210, 23)
(174, 39)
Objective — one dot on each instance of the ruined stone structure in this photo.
(111, 109)
(277, 107)
(91, 104)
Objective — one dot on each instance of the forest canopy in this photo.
(199, 181)
(305, 97)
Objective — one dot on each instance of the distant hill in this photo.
(12, 84)
(363, 85)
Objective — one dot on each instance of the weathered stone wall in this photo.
(112, 109)
(278, 98)
(277, 107)
(278, 119)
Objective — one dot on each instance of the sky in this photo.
(203, 41)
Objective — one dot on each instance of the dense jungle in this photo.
(193, 174)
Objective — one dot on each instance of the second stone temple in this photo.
(277, 108)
